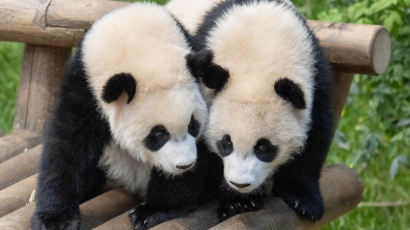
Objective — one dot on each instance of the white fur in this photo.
(260, 43)
(120, 166)
(144, 40)
(245, 169)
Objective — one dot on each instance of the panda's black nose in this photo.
(240, 185)
(184, 166)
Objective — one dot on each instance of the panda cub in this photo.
(129, 109)
(271, 118)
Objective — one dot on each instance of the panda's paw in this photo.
(309, 206)
(232, 207)
(144, 217)
(51, 221)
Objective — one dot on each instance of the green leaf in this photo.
(394, 168)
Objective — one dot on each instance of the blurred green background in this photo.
(374, 133)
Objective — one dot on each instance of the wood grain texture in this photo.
(19, 167)
(350, 48)
(354, 48)
(341, 87)
(40, 80)
(25, 21)
(340, 187)
(93, 212)
(17, 195)
(17, 142)
(120, 222)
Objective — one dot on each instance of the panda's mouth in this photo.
(185, 167)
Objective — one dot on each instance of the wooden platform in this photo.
(50, 28)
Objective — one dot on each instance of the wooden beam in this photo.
(341, 190)
(120, 222)
(17, 195)
(93, 212)
(17, 142)
(350, 47)
(354, 48)
(19, 167)
(340, 187)
(41, 76)
(341, 87)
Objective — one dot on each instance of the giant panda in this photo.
(271, 118)
(130, 110)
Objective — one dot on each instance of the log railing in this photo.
(50, 28)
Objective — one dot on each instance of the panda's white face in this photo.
(160, 128)
(253, 139)
(135, 60)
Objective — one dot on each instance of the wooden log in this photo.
(341, 87)
(340, 187)
(93, 212)
(17, 142)
(19, 219)
(350, 47)
(354, 48)
(25, 21)
(17, 195)
(66, 14)
(19, 167)
(120, 222)
(341, 191)
(39, 83)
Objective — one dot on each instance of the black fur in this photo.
(116, 85)
(193, 127)
(202, 66)
(157, 138)
(225, 146)
(297, 181)
(265, 151)
(75, 138)
(291, 92)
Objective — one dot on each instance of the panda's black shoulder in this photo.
(76, 111)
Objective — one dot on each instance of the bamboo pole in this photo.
(17, 142)
(349, 47)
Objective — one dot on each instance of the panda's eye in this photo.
(193, 127)
(157, 138)
(264, 150)
(225, 146)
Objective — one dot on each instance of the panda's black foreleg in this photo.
(232, 203)
(170, 197)
(73, 143)
(298, 186)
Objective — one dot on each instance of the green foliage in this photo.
(374, 132)
(10, 62)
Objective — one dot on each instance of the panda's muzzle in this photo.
(183, 167)
(240, 185)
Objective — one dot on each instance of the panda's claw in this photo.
(232, 207)
(307, 205)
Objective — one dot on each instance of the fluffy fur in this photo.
(275, 106)
(128, 78)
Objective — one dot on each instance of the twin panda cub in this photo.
(132, 107)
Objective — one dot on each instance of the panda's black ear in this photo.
(202, 66)
(291, 92)
(116, 85)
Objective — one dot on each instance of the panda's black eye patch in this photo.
(225, 146)
(157, 138)
(264, 150)
(193, 127)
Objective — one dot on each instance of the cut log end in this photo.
(380, 51)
